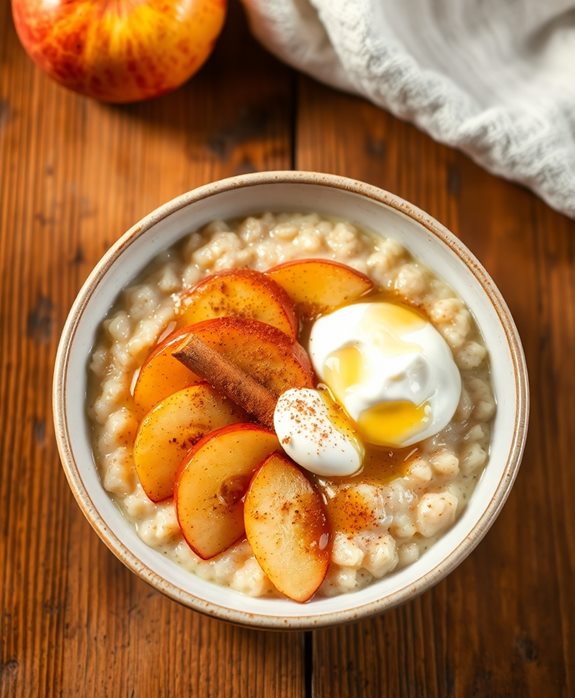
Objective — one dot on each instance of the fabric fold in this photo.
(496, 80)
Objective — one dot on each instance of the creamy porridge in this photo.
(381, 519)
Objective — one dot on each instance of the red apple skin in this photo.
(121, 51)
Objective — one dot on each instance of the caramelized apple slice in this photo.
(320, 285)
(171, 428)
(212, 483)
(161, 374)
(242, 293)
(287, 527)
(268, 355)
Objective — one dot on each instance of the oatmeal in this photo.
(407, 493)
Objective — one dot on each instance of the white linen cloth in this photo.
(495, 78)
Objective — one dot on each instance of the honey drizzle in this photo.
(381, 463)
(380, 466)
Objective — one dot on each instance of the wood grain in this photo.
(74, 175)
(503, 623)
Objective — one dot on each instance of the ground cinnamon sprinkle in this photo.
(349, 512)
(306, 414)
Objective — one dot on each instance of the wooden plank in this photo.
(74, 175)
(502, 623)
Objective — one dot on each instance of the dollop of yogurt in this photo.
(314, 435)
(389, 368)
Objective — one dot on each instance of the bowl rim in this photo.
(300, 622)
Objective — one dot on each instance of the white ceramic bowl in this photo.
(291, 191)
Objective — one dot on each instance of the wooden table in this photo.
(74, 175)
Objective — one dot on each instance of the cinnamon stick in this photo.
(227, 378)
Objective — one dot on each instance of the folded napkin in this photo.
(495, 78)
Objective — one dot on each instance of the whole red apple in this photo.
(119, 50)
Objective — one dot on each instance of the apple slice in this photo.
(161, 374)
(171, 429)
(268, 355)
(287, 527)
(319, 285)
(212, 483)
(242, 293)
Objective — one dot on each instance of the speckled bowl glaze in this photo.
(366, 206)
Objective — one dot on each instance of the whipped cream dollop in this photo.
(316, 434)
(389, 368)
